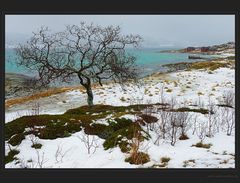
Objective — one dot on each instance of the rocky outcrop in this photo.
(215, 49)
(177, 66)
(195, 57)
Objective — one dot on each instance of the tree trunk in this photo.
(90, 96)
(87, 86)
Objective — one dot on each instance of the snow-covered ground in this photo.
(189, 88)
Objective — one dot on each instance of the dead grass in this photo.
(165, 159)
(202, 145)
(47, 93)
(36, 96)
(211, 65)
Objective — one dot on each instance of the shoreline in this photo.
(70, 97)
(34, 95)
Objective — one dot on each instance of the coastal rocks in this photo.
(177, 66)
(18, 85)
(210, 50)
(195, 57)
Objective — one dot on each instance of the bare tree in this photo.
(184, 122)
(231, 122)
(174, 127)
(229, 98)
(228, 119)
(27, 164)
(162, 126)
(59, 154)
(41, 159)
(90, 142)
(201, 131)
(211, 118)
(194, 124)
(33, 139)
(161, 94)
(135, 144)
(90, 52)
(200, 102)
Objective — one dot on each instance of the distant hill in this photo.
(214, 49)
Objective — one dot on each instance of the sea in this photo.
(148, 60)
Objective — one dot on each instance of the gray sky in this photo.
(156, 30)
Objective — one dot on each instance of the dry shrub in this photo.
(36, 96)
(202, 145)
(149, 118)
(138, 158)
(183, 137)
(165, 159)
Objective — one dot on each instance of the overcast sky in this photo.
(156, 30)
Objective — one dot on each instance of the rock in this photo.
(178, 66)
(195, 57)
(18, 85)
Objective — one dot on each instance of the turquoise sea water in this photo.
(148, 59)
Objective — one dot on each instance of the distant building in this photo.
(190, 49)
(204, 49)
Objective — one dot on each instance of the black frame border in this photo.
(202, 175)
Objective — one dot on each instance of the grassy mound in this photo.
(43, 126)
(105, 109)
(122, 130)
(74, 120)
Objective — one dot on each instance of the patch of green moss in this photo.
(105, 109)
(97, 129)
(16, 139)
(124, 146)
(54, 126)
(123, 129)
(119, 123)
(58, 130)
(59, 126)
(11, 156)
(36, 146)
(186, 109)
